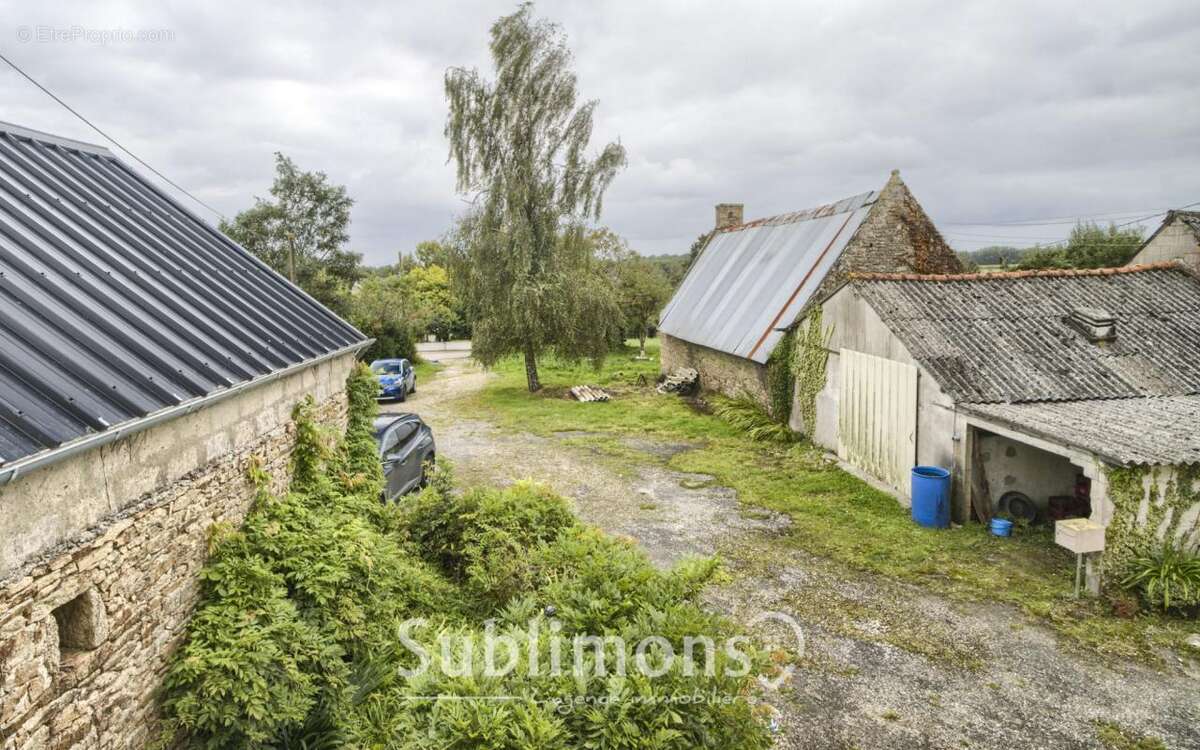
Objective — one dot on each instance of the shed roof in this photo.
(1125, 431)
(752, 280)
(117, 304)
(996, 338)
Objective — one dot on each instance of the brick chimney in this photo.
(729, 214)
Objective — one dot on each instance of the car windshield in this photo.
(386, 368)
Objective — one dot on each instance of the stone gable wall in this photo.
(88, 625)
(897, 236)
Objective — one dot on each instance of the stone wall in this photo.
(896, 236)
(93, 607)
(719, 372)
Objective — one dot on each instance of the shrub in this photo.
(295, 642)
(1166, 578)
(484, 536)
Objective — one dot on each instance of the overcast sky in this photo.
(996, 113)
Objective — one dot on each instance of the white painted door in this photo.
(877, 416)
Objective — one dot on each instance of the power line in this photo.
(993, 237)
(1055, 221)
(1046, 222)
(114, 141)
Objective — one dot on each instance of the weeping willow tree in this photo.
(523, 264)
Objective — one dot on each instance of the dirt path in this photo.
(886, 664)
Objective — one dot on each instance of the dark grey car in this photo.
(405, 446)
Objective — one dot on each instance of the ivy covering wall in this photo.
(809, 357)
(1152, 505)
(780, 380)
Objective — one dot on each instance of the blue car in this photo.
(396, 378)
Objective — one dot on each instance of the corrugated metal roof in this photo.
(116, 302)
(1123, 431)
(991, 338)
(756, 277)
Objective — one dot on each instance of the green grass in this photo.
(1116, 737)
(834, 514)
(425, 370)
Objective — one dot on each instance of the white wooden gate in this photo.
(877, 416)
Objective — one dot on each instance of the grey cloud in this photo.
(993, 111)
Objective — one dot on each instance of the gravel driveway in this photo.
(885, 664)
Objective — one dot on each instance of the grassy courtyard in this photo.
(834, 515)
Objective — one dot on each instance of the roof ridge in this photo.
(805, 214)
(1041, 273)
(20, 131)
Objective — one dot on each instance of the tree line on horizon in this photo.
(1089, 246)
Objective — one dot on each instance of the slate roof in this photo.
(753, 279)
(117, 304)
(1002, 338)
(1125, 431)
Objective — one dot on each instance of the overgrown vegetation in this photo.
(295, 643)
(781, 380)
(833, 514)
(745, 415)
(1148, 550)
(1166, 577)
(810, 355)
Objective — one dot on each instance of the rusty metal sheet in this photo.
(755, 278)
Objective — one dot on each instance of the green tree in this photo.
(521, 258)
(433, 253)
(433, 301)
(643, 289)
(641, 283)
(300, 232)
(1089, 246)
(382, 308)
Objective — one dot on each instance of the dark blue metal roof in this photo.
(116, 302)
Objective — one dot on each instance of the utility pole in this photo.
(291, 257)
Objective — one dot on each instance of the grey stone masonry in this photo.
(93, 604)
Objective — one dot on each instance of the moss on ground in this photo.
(1116, 737)
(834, 514)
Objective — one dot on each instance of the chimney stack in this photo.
(729, 215)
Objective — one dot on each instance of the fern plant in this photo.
(1166, 577)
(746, 415)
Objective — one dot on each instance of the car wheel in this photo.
(403, 395)
(414, 386)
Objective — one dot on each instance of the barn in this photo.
(753, 280)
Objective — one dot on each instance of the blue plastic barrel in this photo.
(1001, 527)
(931, 496)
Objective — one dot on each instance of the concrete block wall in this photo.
(101, 553)
(719, 372)
(1176, 241)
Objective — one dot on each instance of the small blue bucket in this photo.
(1001, 527)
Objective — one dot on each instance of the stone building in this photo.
(144, 359)
(754, 280)
(1177, 238)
